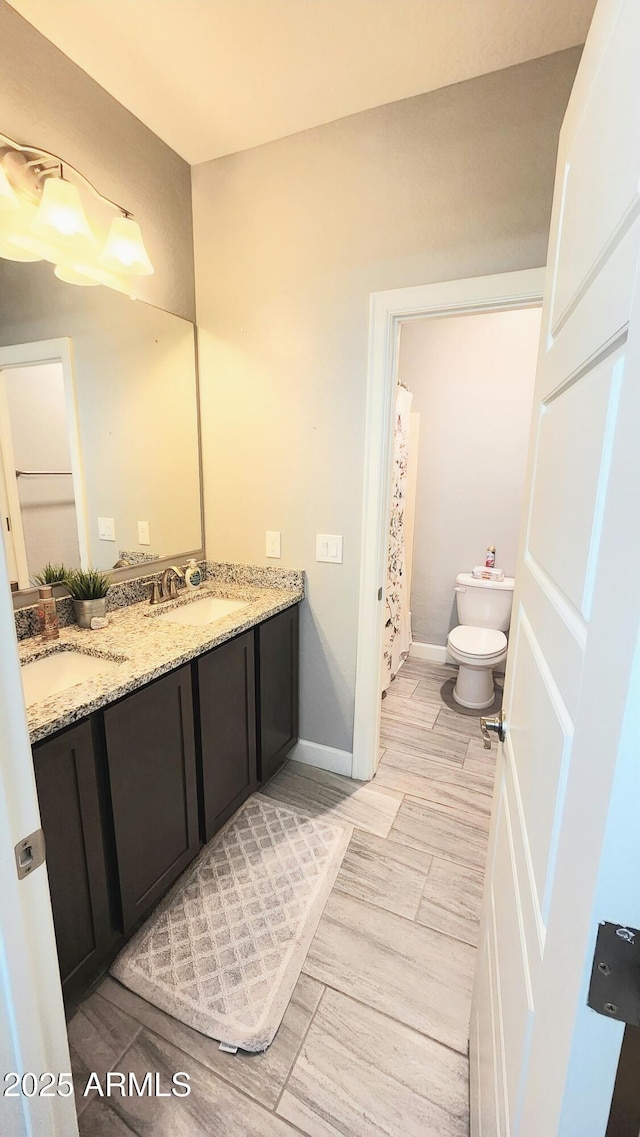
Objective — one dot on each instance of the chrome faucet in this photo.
(168, 589)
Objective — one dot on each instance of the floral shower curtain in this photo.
(397, 628)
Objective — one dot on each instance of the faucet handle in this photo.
(155, 592)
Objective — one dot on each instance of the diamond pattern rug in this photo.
(223, 951)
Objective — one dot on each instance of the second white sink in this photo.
(201, 612)
(54, 673)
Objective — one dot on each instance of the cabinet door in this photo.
(152, 773)
(278, 687)
(68, 794)
(226, 681)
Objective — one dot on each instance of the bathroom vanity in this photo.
(130, 791)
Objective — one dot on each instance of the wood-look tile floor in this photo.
(374, 1041)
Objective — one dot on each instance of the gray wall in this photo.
(290, 240)
(48, 101)
(472, 382)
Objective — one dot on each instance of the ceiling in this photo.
(212, 77)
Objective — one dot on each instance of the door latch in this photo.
(614, 990)
(30, 853)
(498, 725)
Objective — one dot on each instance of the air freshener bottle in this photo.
(47, 614)
(490, 559)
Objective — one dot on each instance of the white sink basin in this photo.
(201, 612)
(52, 674)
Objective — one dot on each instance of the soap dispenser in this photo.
(193, 575)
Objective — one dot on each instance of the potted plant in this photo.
(88, 588)
(52, 574)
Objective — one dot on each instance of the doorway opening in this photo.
(41, 487)
(432, 306)
(461, 427)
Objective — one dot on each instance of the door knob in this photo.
(498, 725)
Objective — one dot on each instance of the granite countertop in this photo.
(143, 646)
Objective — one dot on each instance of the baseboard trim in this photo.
(324, 757)
(434, 653)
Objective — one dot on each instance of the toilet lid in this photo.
(477, 641)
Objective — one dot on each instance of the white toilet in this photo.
(479, 644)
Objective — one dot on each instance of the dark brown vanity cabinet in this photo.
(151, 760)
(277, 646)
(68, 784)
(227, 703)
(128, 796)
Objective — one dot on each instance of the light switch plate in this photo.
(143, 533)
(329, 548)
(274, 545)
(106, 529)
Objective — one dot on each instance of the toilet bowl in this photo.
(478, 643)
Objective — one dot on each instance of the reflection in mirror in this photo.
(106, 432)
(41, 507)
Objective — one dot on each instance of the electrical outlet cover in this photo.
(273, 543)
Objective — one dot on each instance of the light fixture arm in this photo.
(35, 163)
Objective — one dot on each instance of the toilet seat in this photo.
(480, 643)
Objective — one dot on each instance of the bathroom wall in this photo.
(48, 101)
(472, 382)
(290, 240)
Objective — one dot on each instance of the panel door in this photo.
(226, 685)
(565, 837)
(152, 773)
(278, 686)
(67, 784)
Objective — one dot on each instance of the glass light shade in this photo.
(8, 196)
(17, 242)
(11, 252)
(72, 276)
(61, 213)
(124, 251)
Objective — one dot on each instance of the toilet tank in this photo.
(484, 603)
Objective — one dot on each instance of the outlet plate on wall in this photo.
(329, 548)
(273, 545)
(143, 533)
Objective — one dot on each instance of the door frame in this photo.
(30, 355)
(388, 311)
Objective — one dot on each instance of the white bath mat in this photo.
(224, 949)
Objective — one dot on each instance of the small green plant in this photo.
(52, 574)
(87, 584)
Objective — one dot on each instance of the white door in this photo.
(33, 1038)
(565, 843)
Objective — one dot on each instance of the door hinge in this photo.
(379, 594)
(614, 990)
(30, 853)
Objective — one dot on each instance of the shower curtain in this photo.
(397, 628)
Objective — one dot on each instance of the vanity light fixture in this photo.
(49, 211)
